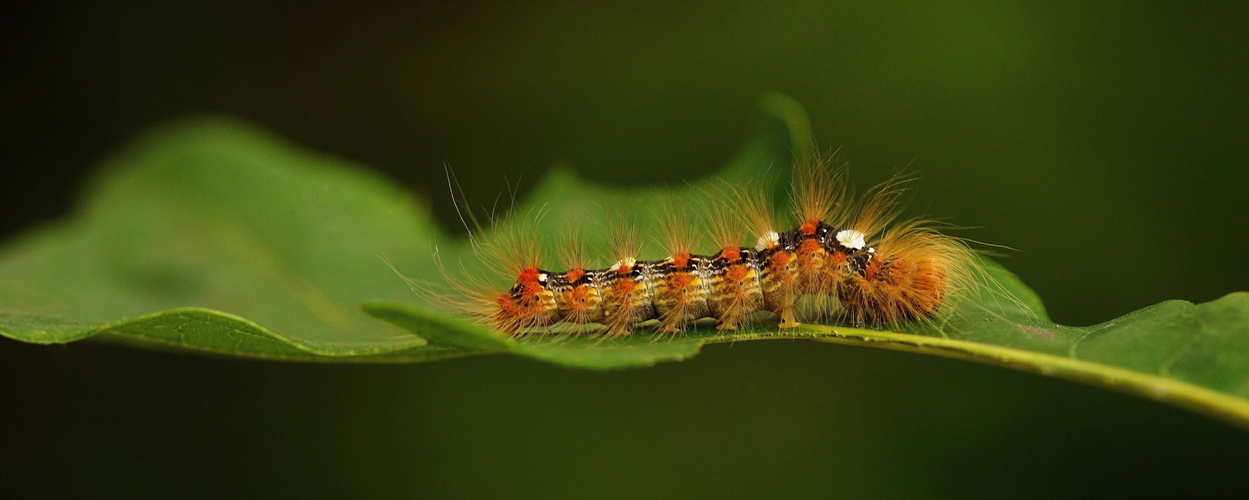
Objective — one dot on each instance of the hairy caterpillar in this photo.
(853, 252)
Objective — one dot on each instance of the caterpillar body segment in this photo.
(628, 296)
(681, 292)
(736, 291)
(780, 282)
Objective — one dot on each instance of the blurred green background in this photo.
(1107, 142)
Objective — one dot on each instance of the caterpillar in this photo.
(853, 252)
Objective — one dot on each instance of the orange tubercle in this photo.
(681, 259)
(625, 286)
(682, 280)
(505, 302)
(579, 295)
(808, 227)
(528, 274)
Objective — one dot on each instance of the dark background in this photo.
(1107, 142)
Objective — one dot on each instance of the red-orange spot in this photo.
(682, 280)
(736, 273)
(624, 286)
(508, 306)
(528, 274)
(839, 257)
(681, 259)
(808, 227)
(780, 259)
(809, 246)
(579, 296)
(731, 254)
(574, 275)
(528, 281)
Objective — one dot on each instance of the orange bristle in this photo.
(818, 191)
(914, 271)
(509, 255)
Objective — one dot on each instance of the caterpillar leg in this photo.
(787, 318)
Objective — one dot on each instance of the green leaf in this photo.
(215, 236)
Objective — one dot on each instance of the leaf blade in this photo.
(202, 232)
